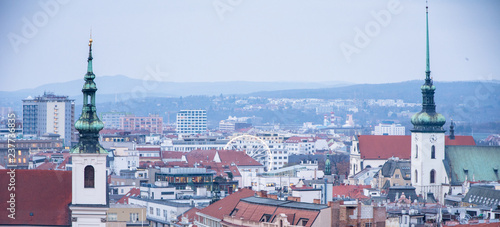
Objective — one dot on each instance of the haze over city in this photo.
(204, 41)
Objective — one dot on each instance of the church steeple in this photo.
(89, 125)
(428, 120)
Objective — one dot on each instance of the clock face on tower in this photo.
(433, 138)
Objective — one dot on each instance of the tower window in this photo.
(433, 176)
(433, 152)
(416, 176)
(416, 151)
(89, 177)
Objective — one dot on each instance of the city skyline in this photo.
(249, 41)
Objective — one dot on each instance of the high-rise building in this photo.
(153, 123)
(191, 122)
(111, 120)
(49, 114)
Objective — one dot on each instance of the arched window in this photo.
(433, 152)
(416, 151)
(433, 175)
(416, 176)
(89, 177)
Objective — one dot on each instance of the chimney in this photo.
(293, 198)
(317, 201)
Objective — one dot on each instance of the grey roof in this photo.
(478, 163)
(396, 191)
(391, 165)
(483, 196)
(284, 203)
(164, 202)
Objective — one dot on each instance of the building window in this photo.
(433, 175)
(112, 217)
(397, 176)
(158, 212)
(433, 152)
(134, 217)
(416, 176)
(89, 177)
(150, 210)
(416, 151)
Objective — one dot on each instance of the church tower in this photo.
(428, 139)
(89, 188)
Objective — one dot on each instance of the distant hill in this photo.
(110, 87)
(409, 91)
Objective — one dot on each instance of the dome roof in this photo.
(424, 121)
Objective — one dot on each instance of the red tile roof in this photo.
(190, 214)
(254, 212)
(47, 166)
(134, 192)
(226, 205)
(44, 193)
(352, 191)
(239, 158)
(384, 147)
(460, 141)
(155, 148)
(172, 154)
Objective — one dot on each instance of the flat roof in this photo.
(285, 203)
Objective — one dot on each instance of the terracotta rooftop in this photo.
(384, 147)
(351, 191)
(134, 192)
(172, 154)
(47, 166)
(190, 214)
(226, 205)
(42, 197)
(255, 208)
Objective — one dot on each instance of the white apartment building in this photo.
(389, 128)
(191, 122)
(49, 114)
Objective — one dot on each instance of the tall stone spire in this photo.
(428, 120)
(89, 124)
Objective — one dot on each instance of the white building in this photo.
(130, 160)
(111, 120)
(49, 114)
(191, 122)
(389, 129)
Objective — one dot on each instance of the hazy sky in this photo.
(357, 41)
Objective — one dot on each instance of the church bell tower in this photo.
(428, 139)
(89, 188)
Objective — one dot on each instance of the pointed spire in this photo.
(452, 130)
(89, 125)
(428, 68)
(428, 119)
(89, 60)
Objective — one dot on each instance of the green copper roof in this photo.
(428, 120)
(89, 125)
(477, 163)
